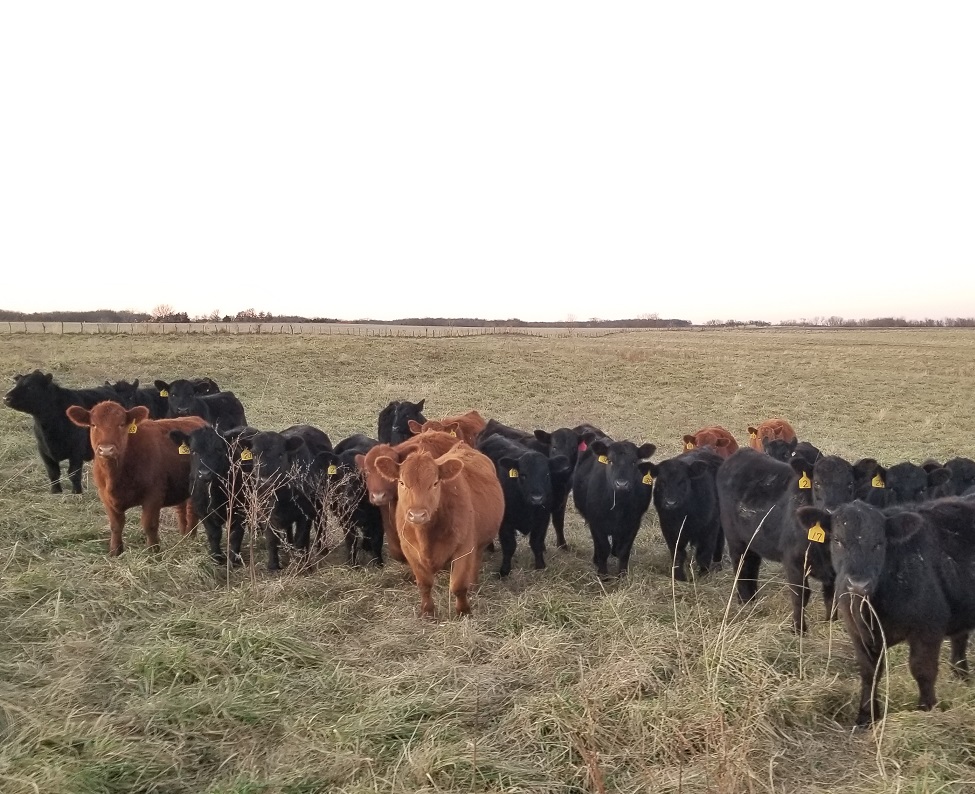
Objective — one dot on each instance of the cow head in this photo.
(673, 480)
(779, 448)
(404, 413)
(622, 463)
(31, 392)
(907, 482)
(532, 470)
(212, 453)
(110, 426)
(381, 491)
(276, 458)
(858, 535)
(419, 480)
(832, 481)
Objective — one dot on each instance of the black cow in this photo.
(222, 410)
(394, 420)
(786, 450)
(611, 489)
(348, 499)
(131, 395)
(217, 476)
(289, 471)
(57, 437)
(758, 498)
(686, 498)
(904, 574)
(526, 477)
(962, 474)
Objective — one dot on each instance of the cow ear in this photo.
(138, 414)
(652, 468)
(178, 437)
(792, 444)
(80, 416)
(689, 439)
(415, 427)
(599, 447)
(765, 441)
(294, 443)
(646, 450)
(752, 431)
(938, 477)
(901, 527)
(161, 385)
(864, 468)
(451, 427)
(721, 443)
(419, 405)
(388, 468)
(326, 458)
(135, 384)
(509, 463)
(360, 462)
(450, 469)
(49, 377)
(545, 438)
(808, 517)
(799, 466)
(559, 465)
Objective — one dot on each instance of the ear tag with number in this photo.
(513, 473)
(133, 428)
(753, 436)
(163, 393)
(804, 482)
(648, 479)
(689, 445)
(603, 459)
(877, 481)
(183, 449)
(332, 470)
(246, 454)
(453, 434)
(816, 533)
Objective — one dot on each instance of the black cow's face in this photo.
(211, 454)
(564, 442)
(779, 449)
(621, 463)
(126, 391)
(182, 398)
(30, 392)
(404, 412)
(275, 457)
(673, 481)
(906, 483)
(534, 477)
(832, 482)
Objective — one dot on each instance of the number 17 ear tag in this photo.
(816, 533)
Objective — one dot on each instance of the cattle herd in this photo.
(893, 548)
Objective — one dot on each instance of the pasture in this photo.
(166, 674)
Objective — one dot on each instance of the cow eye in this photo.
(838, 542)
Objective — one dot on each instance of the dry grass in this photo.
(166, 675)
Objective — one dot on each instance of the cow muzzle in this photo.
(378, 498)
(623, 485)
(107, 451)
(858, 588)
(418, 516)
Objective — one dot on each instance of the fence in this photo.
(302, 329)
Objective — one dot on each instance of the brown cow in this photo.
(382, 492)
(136, 463)
(449, 509)
(770, 428)
(714, 436)
(466, 427)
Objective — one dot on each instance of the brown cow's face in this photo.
(110, 426)
(420, 483)
(381, 490)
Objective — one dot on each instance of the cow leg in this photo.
(923, 661)
(388, 514)
(53, 469)
(799, 586)
(679, 557)
(424, 581)
(959, 662)
(509, 542)
(871, 663)
(829, 594)
(185, 518)
(600, 552)
(536, 540)
(273, 535)
(624, 545)
(116, 523)
(746, 569)
(74, 473)
(718, 550)
(375, 534)
(235, 538)
(213, 527)
(558, 519)
(150, 526)
(463, 575)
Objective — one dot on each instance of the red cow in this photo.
(466, 427)
(449, 509)
(382, 492)
(714, 436)
(770, 428)
(136, 463)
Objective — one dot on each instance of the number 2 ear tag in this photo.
(246, 454)
(816, 533)
(333, 470)
(877, 481)
(804, 482)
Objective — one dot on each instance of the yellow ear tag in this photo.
(246, 454)
(453, 434)
(753, 435)
(332, 470)
(184, 450)
(816, 533)
(513, 474)
(603, 459)
(133, 428)
(804, 482)
(689, 445)
(648, 479)
(877, 481)
(163, 393)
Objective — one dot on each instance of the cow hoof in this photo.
(562, 545)
(219, 559)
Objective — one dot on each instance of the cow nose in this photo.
(670, 503)
(8, 399)
(418, 516)
(378, 498)
(107, 450)
(623, 485)
(537, 499)
(858, 588)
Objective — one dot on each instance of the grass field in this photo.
(141, 674)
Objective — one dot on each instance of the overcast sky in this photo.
(523, 159)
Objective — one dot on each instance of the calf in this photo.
(962, 475)
(289, 472)
(525, 476)
(715, 437)
(222, 410)
(902, 483)
(611, 488)
(217, 485)
(466, 427)
(686, 499)
(136, 464)
(348, 498)
(131, 395)
(758, 498)
(903, 575)
(449, 508)
(770, 428)
(57, 438)
(394, 420)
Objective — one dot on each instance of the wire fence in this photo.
(296, 329)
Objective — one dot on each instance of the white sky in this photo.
(507, 159)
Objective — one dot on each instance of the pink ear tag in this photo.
(583, 446)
